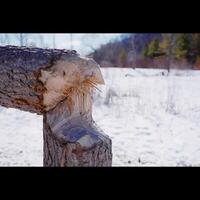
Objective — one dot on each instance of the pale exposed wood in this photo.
(59, 85)
(72, 136)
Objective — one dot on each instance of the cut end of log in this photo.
(69, 75)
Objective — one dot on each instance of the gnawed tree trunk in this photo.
(78, 140)
(59, 85)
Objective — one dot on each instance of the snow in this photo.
(21, 142)
(153, 120)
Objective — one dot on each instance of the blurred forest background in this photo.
(153, 50)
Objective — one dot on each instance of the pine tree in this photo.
(194, 47)
(164, 45)
(144, 52)
(181, 46)
(153, 48)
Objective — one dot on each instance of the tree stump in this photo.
(57, 84)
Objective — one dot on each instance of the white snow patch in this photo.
(152, 119)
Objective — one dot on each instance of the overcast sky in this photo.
(82, 43)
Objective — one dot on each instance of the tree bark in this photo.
(20, 69)
(59, 85)
(74, 140)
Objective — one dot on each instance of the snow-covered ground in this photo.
(153, 120)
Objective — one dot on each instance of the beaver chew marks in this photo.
(69, 76)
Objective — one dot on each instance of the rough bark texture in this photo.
(74, 153)
(20, 69)
(59, 85)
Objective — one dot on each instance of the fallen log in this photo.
(57, 84)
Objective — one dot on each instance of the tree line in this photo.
(181, 50)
